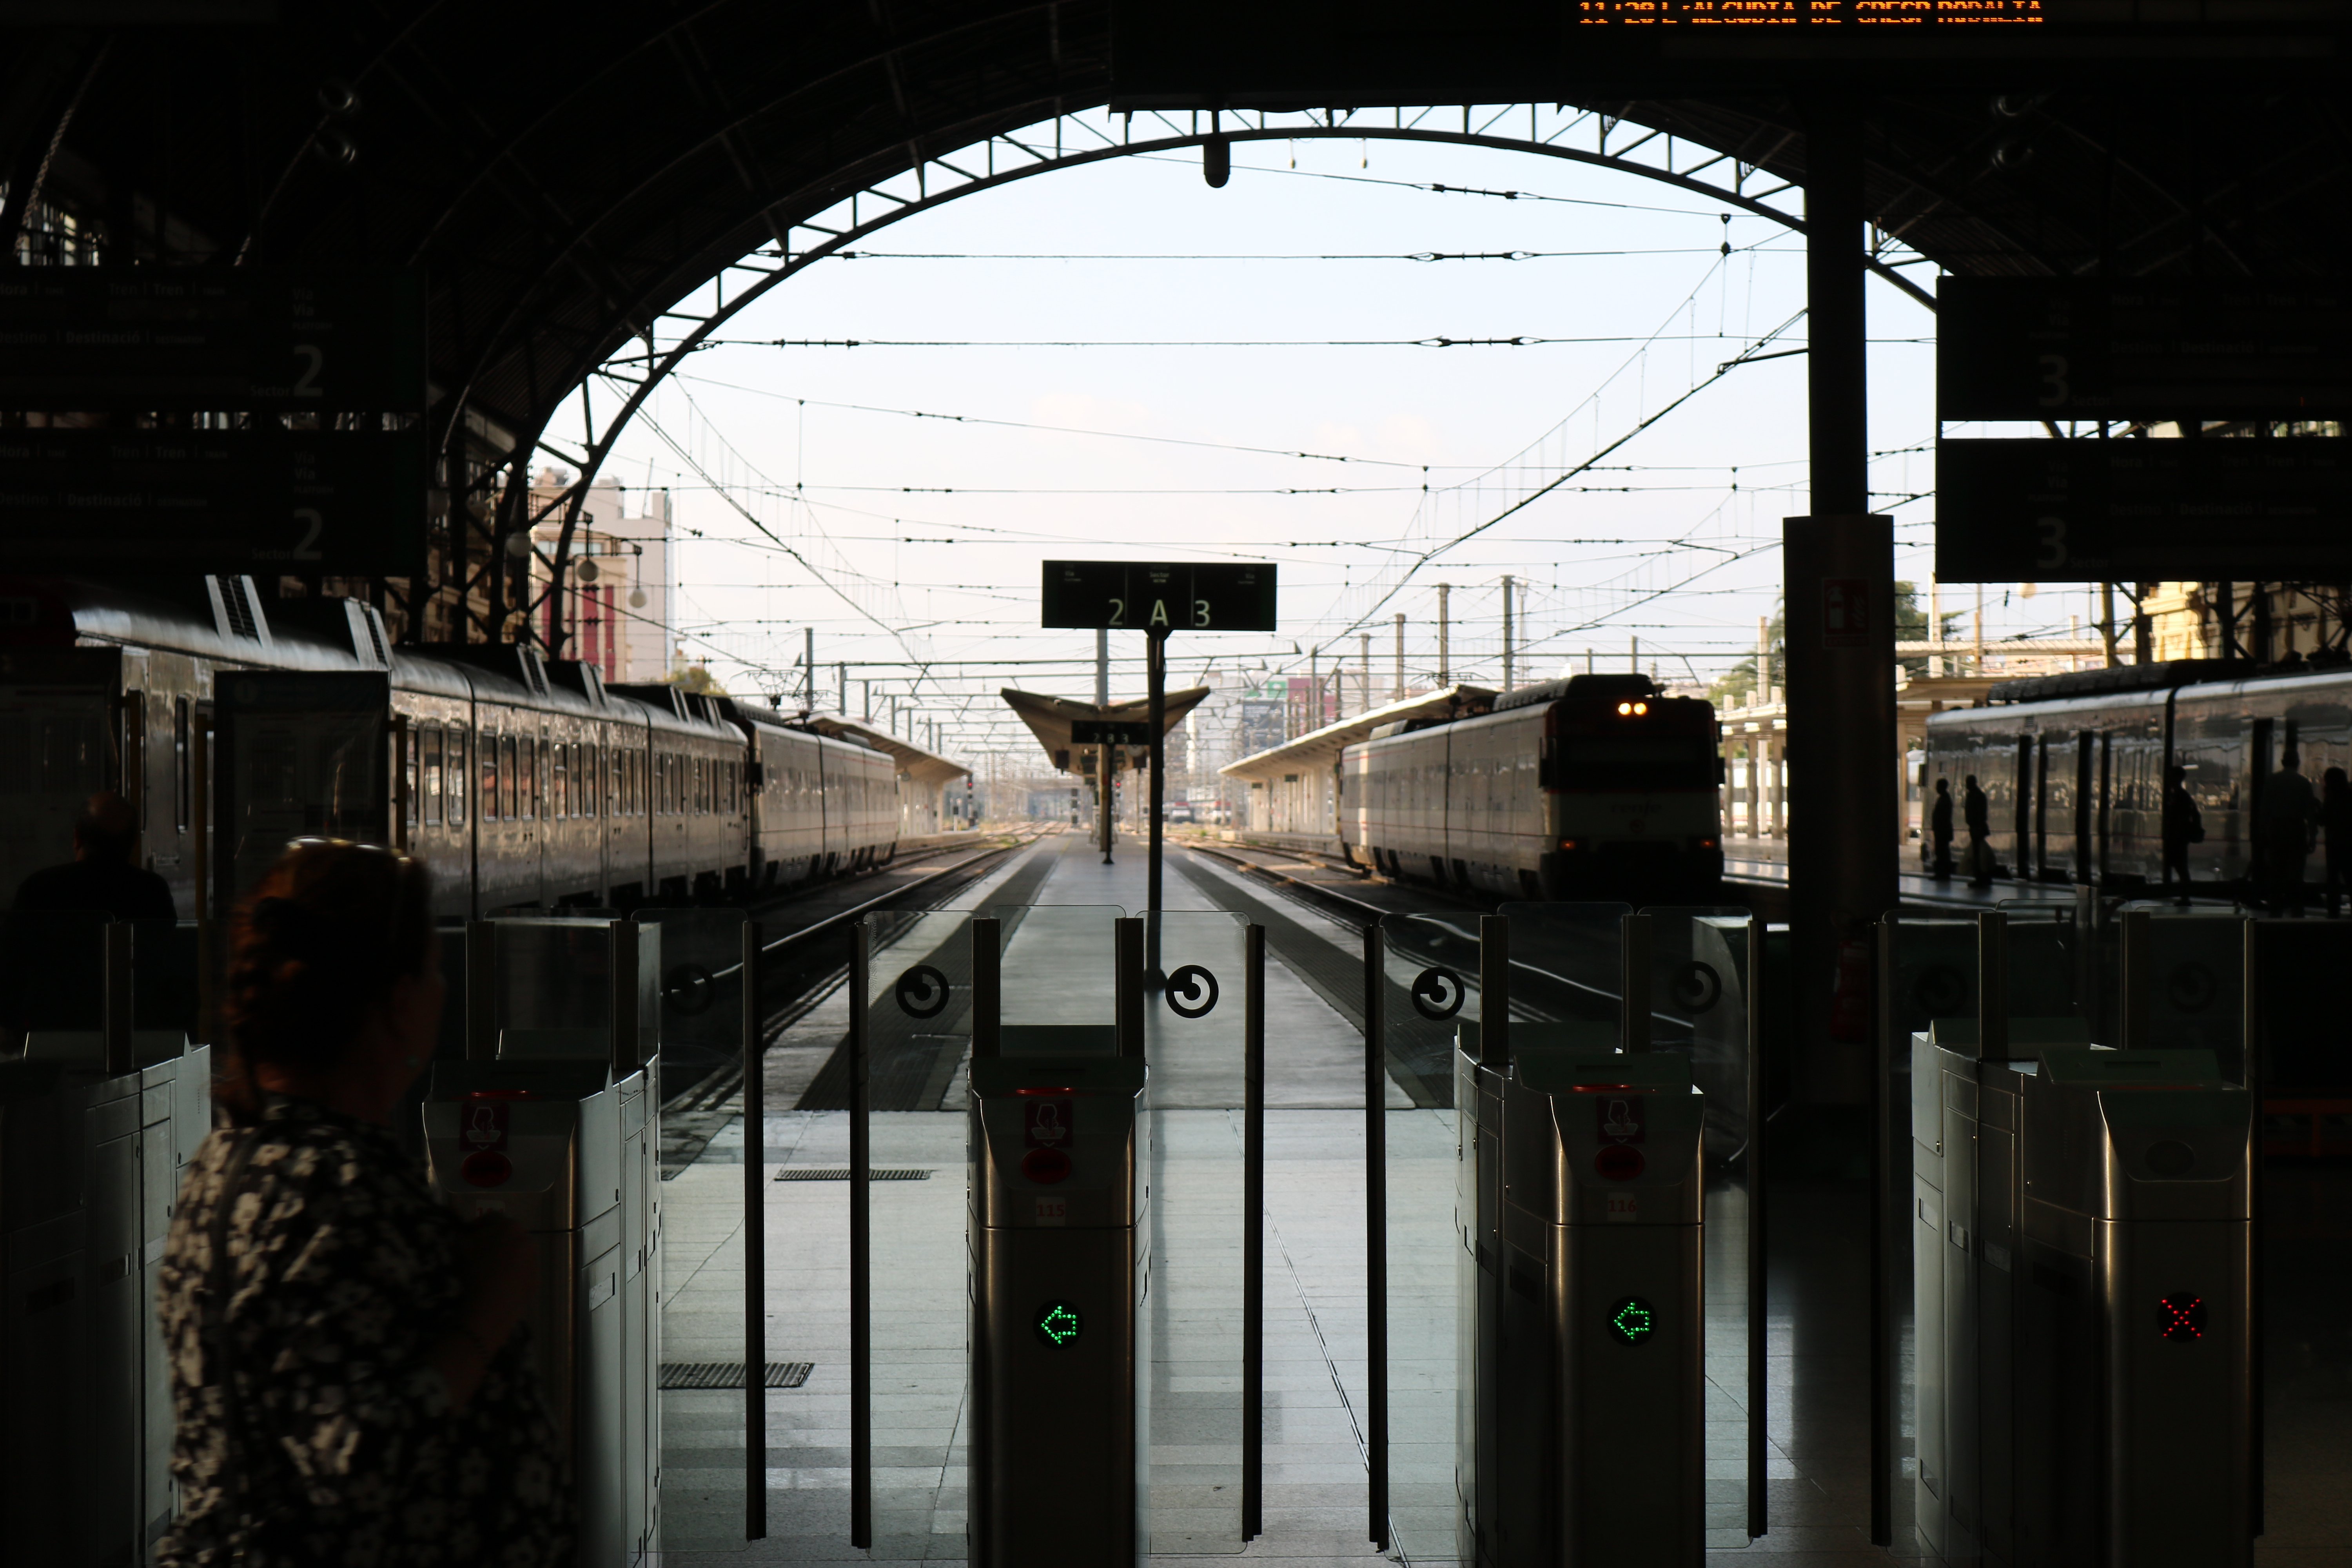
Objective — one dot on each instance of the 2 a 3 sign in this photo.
(1159, 596)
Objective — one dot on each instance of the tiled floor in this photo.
(1315, 1496)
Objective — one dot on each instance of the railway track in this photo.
(799, 970)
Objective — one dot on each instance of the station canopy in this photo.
(1321, 748)
(1049, 718)
(927, 768)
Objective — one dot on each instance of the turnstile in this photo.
(558, 1132)
(1060, 1241)
(90, 1162)
(560, 1147)
(2082, 1258)
(1582, 1286)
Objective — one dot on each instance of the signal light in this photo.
(1641, 708)
(1624, 709)
(1632, 1322)
(2180, 1317)
(1058, 1324)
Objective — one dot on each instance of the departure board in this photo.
(1232, 54)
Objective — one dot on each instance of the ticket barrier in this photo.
(2082, 1258)
(1597, 1133)
(1060, 1240)
(559, 1131)
(1583, 1285)
(90, 1160)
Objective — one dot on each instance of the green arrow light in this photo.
(1632, 1321)
(1058, 1324)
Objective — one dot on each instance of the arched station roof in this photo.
(566, 174)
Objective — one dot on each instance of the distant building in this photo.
(619, 582)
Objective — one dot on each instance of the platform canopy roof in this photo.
(1321, 748)
(1049, 718)
(923, 767)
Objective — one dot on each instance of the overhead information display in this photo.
(345, 501)
(96, 339)
(1232, 53)
(1159, 596)
(2089, 511)
(2058, 348)
(1109, 733)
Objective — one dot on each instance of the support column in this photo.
(1756, 745)
(1839, 565)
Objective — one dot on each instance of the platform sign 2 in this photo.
(2211, 508)
(1159, 596)
(252, 340)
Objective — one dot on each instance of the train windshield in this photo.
(1626, 763)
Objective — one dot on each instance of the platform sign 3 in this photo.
(1159, 596)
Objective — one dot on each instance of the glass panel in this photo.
(1431, 995)
(2047, 1000)
(52, 973)
(919, 1022)
(535, 1124)
(1044, 945)
(690, 990)
(1700, 987)
(1932, 975)
(1568, 970)
(1196, 1044)
(2188, 979)
(301, 755)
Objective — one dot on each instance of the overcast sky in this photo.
(932, 531)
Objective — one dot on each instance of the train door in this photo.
(2260, 763)
(2022, 782)
(2034, 807)
(2103, 811)
(2080, 857)
(299, 755)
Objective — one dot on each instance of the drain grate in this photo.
(729, 1374)
(841, 1174)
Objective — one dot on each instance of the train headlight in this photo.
(1631, 709)
(1640, 707)
(1624, 709)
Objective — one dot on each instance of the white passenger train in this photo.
(2073, 767)
(524, 783)
(1594, 786)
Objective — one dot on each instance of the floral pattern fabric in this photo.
(339, 1448)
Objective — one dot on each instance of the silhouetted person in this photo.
(52, 970)
(350, 1376)
(2183, 825)
(2335, 835)
(1939, 828)
(100, 879)
(1976, 811)
(2286, 821)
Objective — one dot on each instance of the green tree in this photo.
(696, 678)
(1910, 626)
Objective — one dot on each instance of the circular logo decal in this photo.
(1438, 994)
(922, 992)
(2190, 987)
(688, 989)
(1697, 986)
(1191, 992)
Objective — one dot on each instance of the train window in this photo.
(560, 783)
(430, 742)
(508, 787)
(534, 781)
(490, 777)
(455, 792)
(412, 746)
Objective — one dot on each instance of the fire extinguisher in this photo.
(1850, 998)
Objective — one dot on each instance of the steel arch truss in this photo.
(1737, 179)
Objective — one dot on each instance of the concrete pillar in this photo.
(1397, 694)
(1755, 801)
(1506, 633)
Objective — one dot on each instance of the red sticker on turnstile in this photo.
(484, 1124)
(482, 1133)
(1045, 1123)
(1618, 1118)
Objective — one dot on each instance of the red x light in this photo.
(2180, 1317)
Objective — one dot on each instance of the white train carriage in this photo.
(821, 805)
(1588, 787)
